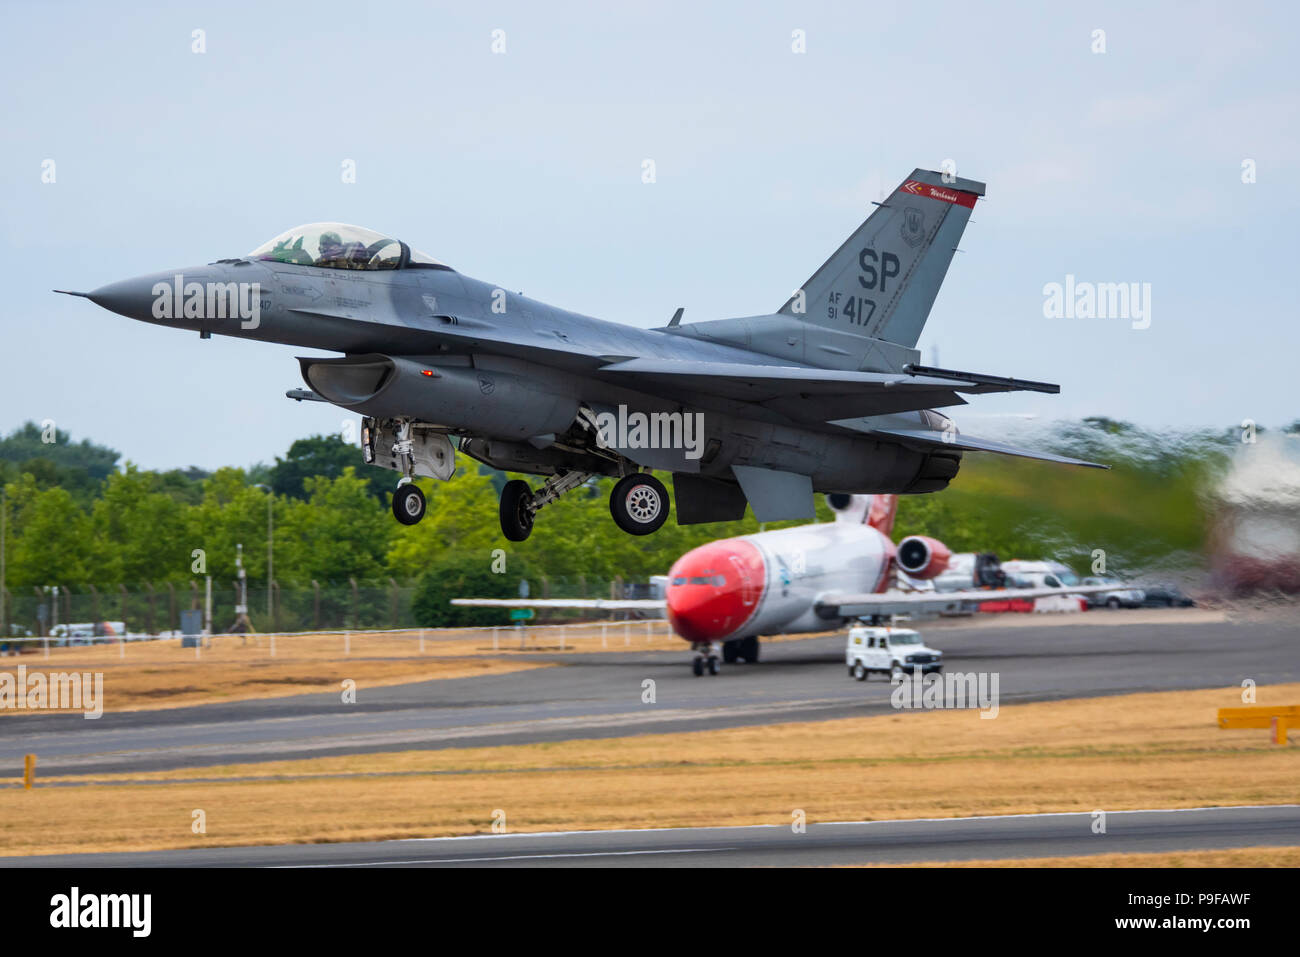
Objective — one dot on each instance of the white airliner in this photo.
(722, 596)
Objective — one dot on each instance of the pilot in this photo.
(331, 250)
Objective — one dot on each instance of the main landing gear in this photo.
(519, 504)
(741, 649)
(639, 503)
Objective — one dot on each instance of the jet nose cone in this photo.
(133, 298)
(714, 590)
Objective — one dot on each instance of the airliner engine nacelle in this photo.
(923, 557)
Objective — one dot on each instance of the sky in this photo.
(523, 166)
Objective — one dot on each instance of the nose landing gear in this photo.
(706, 657)
(408, 503)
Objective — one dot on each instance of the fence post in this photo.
(627, 632)
(272, 644)
(495, 629)
(421, 641)
(604, 627)
(347, 642)
(29, 770)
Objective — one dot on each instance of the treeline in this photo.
(74, 517)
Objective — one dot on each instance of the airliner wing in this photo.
(605, 604)
(851, 605)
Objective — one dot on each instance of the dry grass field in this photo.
(1138, 751)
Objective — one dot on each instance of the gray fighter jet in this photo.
(826, 394)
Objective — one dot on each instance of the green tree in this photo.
(324, 455)
(454, 577)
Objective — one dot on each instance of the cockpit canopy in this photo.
(340, 246)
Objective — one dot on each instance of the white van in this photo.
(889, 651)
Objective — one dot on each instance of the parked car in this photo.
(1122, 597)
(1166, 596)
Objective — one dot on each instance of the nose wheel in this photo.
(706, 659)
(408, 504)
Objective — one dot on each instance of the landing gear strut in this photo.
(706, 657)
(519, 504)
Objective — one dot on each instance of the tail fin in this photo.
(882, 282)
(874, 510)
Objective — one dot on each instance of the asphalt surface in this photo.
(601, 695)
(886, 842)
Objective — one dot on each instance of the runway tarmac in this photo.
(943, 839)
(601, 695)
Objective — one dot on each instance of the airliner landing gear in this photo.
(639, 504)
(408, 504)
(519, 504)
(741, 649)
(706, 657)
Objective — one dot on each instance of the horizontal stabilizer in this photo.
(969, 443)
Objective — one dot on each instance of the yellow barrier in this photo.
(29, 770)
(1275, 717)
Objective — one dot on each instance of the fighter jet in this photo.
(826, 394)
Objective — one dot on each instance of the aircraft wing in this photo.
(853, 604)
(802, 390)
(604, 604)
(857, 393)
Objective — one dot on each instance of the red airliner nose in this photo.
(713, 590)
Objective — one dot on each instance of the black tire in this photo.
(895, 669)
(408, 504)
(639, 504)
(731, 650)
(713, 665)
(516, 517)
(1112, 603)
(749, 649)
(697, 666)
(859, 671)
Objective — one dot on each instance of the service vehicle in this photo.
(889, 650)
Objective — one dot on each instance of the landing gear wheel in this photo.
(697, 666)
(859, 671)
(749, 649)
(516, 516)
(713, 665)
(731, 650)
(639, 504)
(408, 504)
